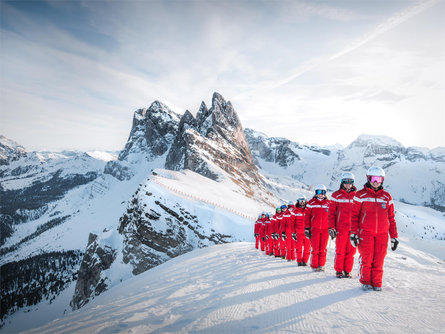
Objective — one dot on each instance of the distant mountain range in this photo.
(90, 220)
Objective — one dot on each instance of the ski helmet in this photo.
(301, 197)
(259, 216)
(284, 206)
(375, 171)
(347, 177)
(320, 189)
(290, 203)
(278, 210)
(375, 174)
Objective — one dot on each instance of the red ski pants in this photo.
(282, 246)
(344, 252)
(262, 242)
(257, 241)
(372, 249)
(290, 246)
(319, 243)
(303, 247)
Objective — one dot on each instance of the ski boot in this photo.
(366, 287)
(347, 275)
(339, 274)
(377, 288)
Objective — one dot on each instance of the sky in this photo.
(315, 72)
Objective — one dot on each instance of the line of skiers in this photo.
(355, 219)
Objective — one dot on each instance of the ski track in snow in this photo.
(234, 288)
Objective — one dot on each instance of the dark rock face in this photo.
(154, 232)
(151, 136)
(152, 132)
(96, 259)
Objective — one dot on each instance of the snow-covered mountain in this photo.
(414, 175)
(75, 225)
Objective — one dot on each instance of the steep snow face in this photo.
(413, 175)
(10, 151)
(159, 225)
(234, 288)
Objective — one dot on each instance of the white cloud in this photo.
(285, 73)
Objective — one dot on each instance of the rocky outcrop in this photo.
(155, 230)
(90, 282)
(10, 151)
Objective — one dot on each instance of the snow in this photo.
(234, 288)
(104, 156)
(377, 140)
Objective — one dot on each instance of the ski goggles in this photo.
(347, 181)
(320, 192)
(374, 178)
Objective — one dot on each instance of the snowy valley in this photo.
(100, 237)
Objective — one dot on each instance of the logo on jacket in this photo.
(384, 205)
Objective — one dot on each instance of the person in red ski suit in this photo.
(316, 223)
(287, 229)
(261, 231)
(339, 218)
(372, 219)
(275, 223)
(302, 244)
(256, 231)
(284, 218)
(267, 229)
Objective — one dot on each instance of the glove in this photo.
(283, 235)
(333, 233)
(294, 236)
(267, 237)
(354, 240)
(262, 238)
(256, 235)
(394, 243)
(307, 232)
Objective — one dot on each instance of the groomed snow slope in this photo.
(234, 288)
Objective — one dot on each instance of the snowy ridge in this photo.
(234, 288)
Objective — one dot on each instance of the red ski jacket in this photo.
(267, 227)
(286, 222)
(257, 225)
(373, 213)
(298, 220)
(278, 218)
(316, 214)
(340, 210)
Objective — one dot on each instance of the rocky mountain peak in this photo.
(214, 138)
(10, 151)
(152, 132)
